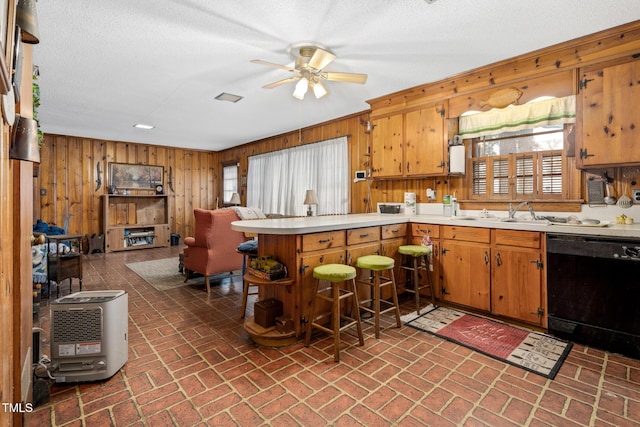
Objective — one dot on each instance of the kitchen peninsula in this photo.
(464, 248)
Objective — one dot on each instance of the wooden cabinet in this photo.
(308, 284)
(135, 222)
(418, 231)
(608, 116)
(410, 144)
(425, 146)
(517, 274)
(466, 266)
(387, 138)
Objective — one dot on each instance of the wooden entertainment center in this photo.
(135, 221)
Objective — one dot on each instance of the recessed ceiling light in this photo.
(143, 126)
(228, 97)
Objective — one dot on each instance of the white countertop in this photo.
(304, 225)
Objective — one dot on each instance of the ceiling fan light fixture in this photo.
(318, 89)
(301, 88)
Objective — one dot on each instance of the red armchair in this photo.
(213, 249)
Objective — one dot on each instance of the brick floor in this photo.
(192, 364)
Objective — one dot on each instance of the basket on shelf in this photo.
(267, 268)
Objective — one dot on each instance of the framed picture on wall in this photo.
(135, 177)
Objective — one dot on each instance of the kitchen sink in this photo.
(526, 221)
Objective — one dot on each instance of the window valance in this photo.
(552, 111)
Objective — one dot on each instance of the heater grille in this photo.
(77, 325)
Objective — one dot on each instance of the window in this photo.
(278, 180)
(526, 164)
(229, 181)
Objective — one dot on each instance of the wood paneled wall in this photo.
(66, 185)
(359, 159)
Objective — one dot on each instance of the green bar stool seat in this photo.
(417, 263)
(378, 265)
(335, 275)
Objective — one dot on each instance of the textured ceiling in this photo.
(107, 65)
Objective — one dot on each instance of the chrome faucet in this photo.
(512, 210)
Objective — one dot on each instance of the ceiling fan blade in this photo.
(345, 77)
(280, 82)
(320, 59)
(271, 64)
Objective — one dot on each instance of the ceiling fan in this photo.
(308, 70)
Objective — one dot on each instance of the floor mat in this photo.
(162, 274)
(533, 351)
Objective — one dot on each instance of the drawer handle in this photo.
(324, 241)
(364, 235)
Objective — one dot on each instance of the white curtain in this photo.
(277, 181)
(552, 111)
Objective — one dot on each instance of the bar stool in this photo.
(377, 264)
(335, 274)
(246, 284)
(417, 253)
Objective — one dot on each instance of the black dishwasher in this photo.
(593, 291)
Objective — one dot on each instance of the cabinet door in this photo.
(436, 280)
(425, 141)
(466, 274)
(353, 253)
(389, 247)
(309, 285)
(162, 235)
(516, 289)
(610, 117)
(114, 239)
(386, 146)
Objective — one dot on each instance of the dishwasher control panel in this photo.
(629, 252)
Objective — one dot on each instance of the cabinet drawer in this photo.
(317, 241)
(363, 235)
(419, 230)
(467, 234)
(395, 230)
(523, 239)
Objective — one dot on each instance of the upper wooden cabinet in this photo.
(425, 141)
(387, 156)
(413, 143)
(609, 117)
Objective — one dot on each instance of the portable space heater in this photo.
(89, 335)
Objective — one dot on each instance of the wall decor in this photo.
(139, 177)
(5, 75)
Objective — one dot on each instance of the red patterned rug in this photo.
(533, 351)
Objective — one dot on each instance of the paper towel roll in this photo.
(456, 159)
(410, 203)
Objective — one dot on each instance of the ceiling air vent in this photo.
(228, 97)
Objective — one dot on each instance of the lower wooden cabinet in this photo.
(307, 283)
(517, 276)
(466, 266)
(418, 232)
(496, 271)
(466, 273)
